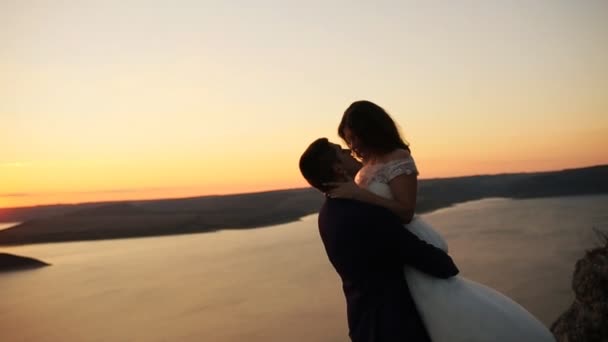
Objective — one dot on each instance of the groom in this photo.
(368, 247)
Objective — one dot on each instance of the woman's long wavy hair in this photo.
(373, 127)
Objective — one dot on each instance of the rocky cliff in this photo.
(587, 318)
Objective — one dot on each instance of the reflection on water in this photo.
(275, 283)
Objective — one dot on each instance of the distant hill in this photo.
(437, 193)
(157, 217)
(199, 214)
(121, 208)
(282, 202)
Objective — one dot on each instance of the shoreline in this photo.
(180, 229)
(56, 232)
(127, 219)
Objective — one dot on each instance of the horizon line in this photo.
(245, 193)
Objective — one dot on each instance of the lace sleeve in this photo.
(400, 167)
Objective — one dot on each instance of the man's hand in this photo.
(348, 190)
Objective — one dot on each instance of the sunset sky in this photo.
(122, 99)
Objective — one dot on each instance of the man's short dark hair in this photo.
(316, 164)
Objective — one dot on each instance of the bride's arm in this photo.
(403, 188)
(404, 193)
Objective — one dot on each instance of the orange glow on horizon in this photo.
(119, 100)
(441, 169)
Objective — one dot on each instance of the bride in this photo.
(455, 309)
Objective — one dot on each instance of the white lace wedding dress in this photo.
(455, 309)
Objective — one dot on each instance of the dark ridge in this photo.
(437, 193)
(209, 213)
(432, 194)
(10, 262)
(121, 208)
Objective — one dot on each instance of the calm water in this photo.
(275, 283)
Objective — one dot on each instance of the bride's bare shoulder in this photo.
(398, 154)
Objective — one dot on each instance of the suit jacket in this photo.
(368, 247)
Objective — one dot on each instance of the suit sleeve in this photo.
(387, 233)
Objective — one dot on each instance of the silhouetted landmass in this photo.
(114, 209)
(10, 262)
(586, 320)
(108, 220)
(158, 217)
(437, 193)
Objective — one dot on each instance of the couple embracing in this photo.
(399, 282)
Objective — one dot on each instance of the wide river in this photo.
(275, 283)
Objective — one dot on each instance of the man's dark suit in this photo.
(368, 247)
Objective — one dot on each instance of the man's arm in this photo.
(389, 235)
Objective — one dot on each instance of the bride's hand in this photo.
(348, 190)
